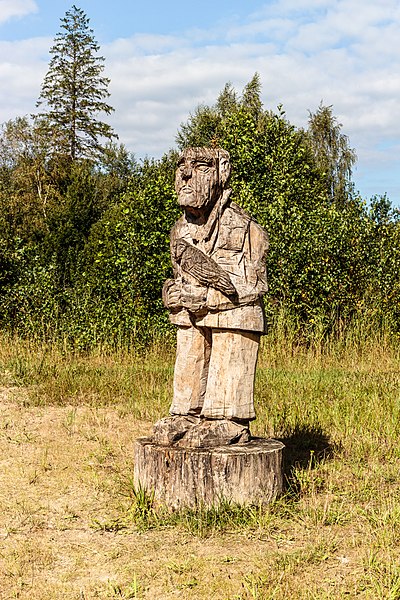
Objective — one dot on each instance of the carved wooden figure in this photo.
(218, 254)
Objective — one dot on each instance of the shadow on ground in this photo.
(306, 447)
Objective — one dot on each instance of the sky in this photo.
(164, 58)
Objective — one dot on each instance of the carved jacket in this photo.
(238, 245)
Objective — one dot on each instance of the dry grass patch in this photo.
(71, 526)
(65, 525)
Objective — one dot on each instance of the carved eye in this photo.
(203, 167)
(186, 164)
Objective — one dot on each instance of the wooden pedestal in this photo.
(251, 473)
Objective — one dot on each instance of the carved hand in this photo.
(194, 298)
(171, 294)
(177, 295)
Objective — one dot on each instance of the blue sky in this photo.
(164, 58)
(122, 18)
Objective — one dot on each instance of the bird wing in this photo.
(207, 272)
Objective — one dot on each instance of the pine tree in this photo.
(74, 90)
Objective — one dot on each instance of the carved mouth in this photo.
(186, 189)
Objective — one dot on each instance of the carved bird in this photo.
(203, 268)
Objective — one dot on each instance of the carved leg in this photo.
(190, 380)
(230, 385)
(191, 370)
(229, 400)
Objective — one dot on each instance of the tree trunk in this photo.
(248, 473)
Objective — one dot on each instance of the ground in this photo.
(71, 527)
(64, 471)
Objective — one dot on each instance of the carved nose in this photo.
(187, 173)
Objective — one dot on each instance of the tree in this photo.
(74, 90)
(28, 182)
(332, 152)
(251, 97)
(297, 184)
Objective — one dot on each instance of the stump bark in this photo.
(250, 473)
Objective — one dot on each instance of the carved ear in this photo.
(224, 169)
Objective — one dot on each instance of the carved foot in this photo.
(209, 433)
(171, 429)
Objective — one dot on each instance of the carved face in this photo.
(200, 177)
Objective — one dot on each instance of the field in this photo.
(73, 527)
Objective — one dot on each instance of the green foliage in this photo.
(28, 179)
(329, 256)
(74, 90)
(127, 255)
(382, 247)
(48, 206)
(333, 155)
(84, 244)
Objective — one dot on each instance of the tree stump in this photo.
(250, 473)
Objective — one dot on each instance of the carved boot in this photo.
(170, 429)
(209, 433)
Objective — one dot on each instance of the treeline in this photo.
(84, 245)
(84, 227)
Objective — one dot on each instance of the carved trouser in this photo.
(214, 373)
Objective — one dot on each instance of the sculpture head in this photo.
(201, 177)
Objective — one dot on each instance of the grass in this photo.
(136, 383)
(72, 525)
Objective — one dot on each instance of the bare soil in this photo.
(64, 472)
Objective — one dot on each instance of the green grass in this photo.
(137, 383)
(336, 531)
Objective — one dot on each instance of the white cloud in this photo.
(306, 51)
(342, 52)
(21, 75)
(16, 8)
